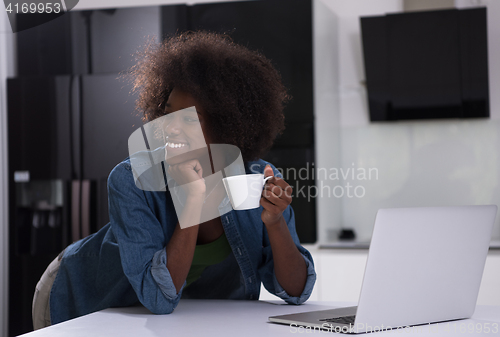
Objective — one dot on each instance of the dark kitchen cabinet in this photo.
(66, 133)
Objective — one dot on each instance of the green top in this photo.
(207, 255)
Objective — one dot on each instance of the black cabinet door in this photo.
(296, 166)
(44, 49)
(91, 41)
(39, 126)
(117, 34)
(281, 30)
(108, 119)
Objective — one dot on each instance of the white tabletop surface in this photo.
(237, 318)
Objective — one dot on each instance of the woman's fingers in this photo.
(277, 196)
(197, 168)
(189, 174)
(280, 189)
(269, 206)
(187, 169)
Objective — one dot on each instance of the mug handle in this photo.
(266, 179)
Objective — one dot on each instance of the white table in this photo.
(230, 318)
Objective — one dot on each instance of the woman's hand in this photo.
(189, 175)
(276, 197)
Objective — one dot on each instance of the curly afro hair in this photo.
(239, 89)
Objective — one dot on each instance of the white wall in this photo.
(353, 108)
(327, 112)
(345, 106)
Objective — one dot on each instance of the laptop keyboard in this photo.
(342, 320)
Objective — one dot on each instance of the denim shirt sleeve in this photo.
(141, 242)
(268, 276)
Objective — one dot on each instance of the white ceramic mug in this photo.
(245, 190)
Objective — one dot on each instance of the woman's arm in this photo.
(180, 248)
(289, 265)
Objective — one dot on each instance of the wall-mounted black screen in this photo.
(423, 65)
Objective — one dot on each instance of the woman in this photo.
(143, 255)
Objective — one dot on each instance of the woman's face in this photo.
(184, 128)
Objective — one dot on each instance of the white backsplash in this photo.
(420, 163)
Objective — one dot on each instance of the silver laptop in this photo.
(424, 266)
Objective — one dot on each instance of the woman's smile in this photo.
(177, 145)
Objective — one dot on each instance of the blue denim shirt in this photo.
(125, 261)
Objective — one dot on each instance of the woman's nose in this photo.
(173, 126)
